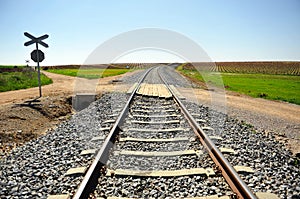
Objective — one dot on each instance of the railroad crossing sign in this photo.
(37, 55)
(37, 58)
(36, 40)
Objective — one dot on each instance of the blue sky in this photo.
(228, 30)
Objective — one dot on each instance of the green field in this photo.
(274, 87)
(89, 73)
(11, 66)
(21, 77)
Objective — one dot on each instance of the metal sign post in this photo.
(38, 66)
(37, 55)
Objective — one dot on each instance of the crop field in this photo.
(274, 68)
(263, 85)
(19, 77)
(10, 66)
(89, 73)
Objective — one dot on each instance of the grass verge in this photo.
(20, 79)
(90, 73)
(274, 87)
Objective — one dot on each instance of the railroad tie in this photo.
(243, 169)
(155, 130)
(161, 173)
(200, 121)
(194, 114)
(203, 197)
(259, 194)
(227, 150)
(131, 139)
(88, 151)
(162, 107)
(60, 196)
(105, 129)
(76, 171)
(266, 195)
(113, 115)
(215, 137)
(94, 139)
(155, 116)
(109, 121)
(207, 128)
(154, 110)
(155, 123)
(158, 153)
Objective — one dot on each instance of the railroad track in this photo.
(157, 147)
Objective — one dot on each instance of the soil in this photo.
(22, 118)
(22, 122)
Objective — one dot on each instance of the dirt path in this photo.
(282, 110)
(279, 118)
(61, 85)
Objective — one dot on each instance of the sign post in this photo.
(37, 55)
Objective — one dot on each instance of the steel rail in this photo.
(90, 179)
(233, 179)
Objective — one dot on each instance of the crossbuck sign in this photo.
(37, 55)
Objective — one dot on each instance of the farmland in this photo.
(19, 77)
(89, 73)
(95, 71)
(264, 84)
(273, 68)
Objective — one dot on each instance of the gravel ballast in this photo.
(275, 169)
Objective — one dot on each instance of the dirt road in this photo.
(279, 118)
(61, 85)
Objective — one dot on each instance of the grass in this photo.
(90, 73)
(26, 78)
(274, 87)
(11, 66)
